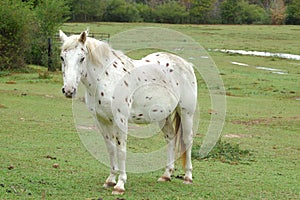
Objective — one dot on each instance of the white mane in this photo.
(98, 50)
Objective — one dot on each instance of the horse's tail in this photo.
(181, 148)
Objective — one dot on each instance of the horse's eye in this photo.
(62, 59)
(82, 59)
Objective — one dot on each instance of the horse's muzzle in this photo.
(69, 92)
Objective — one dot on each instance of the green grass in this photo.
(262, 129)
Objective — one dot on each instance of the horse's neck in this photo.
(93, 75)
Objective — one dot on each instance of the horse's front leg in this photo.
(108, 136)
(111, 148)
(121, 139)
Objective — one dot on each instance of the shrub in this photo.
(50, 14)
(145, 12)
(15, 33)
(293, 13)
(241, 12)
(278, 9)
(171, 12)
(121, 11)
(226, 153)
(24, 29)
(200, 10)
(251, 14)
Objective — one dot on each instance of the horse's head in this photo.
(73, 58)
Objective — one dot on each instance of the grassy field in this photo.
(263, 118)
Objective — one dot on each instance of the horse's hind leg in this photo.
(187, 136)
(169, 135)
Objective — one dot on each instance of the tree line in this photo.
(25, 25)
(188, 11)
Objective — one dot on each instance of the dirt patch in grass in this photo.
(2, 106)
(236, 136)
(265, 120)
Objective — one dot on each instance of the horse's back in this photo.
(182, 73)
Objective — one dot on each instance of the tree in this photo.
(241, 12)
(293, 13)
(121, 11)
(16, 28)
(250, 13)
(277, 9)
(145, 12)
(229, 11)
(87, 10)
(200, 10)
(49, 15)
(171, 12)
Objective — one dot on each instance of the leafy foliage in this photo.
(251, 14)
(15, 29)
(187, 11)
(241, 12)
(293, 13)
(200, 9)
(50, 14)
(25, 27)
(225, 152)
(278, 12)
(171, 12)
(120, 11)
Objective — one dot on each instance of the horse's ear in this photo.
(63, 37)
(82, 37)
(87, 31)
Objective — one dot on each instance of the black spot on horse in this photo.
(126, 83)
(118, 141)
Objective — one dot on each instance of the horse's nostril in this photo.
(69, 92)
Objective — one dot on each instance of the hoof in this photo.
(164, 179)
(118, 191)
(109, 184)
(187, 180)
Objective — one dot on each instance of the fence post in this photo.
(50, 63)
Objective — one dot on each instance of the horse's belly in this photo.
(152, 103)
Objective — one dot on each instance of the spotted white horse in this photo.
(159, 88)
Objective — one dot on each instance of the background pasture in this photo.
(263, 117)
